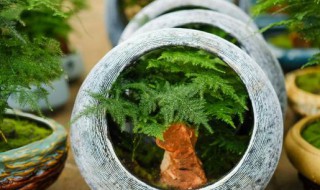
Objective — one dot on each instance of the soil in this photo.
(19, 133)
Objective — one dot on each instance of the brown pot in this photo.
(302, 102)
(303, 156)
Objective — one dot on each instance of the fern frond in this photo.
(303, 17)
(174, 85)
(150, 128)
(200, 59)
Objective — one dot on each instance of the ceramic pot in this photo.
(116, 25)
(303, 156)
(250, 41)
(38, 164)
(302, 102)
(92, 146)
(58, 95)
(73, 65)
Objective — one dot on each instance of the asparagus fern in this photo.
(303, 18)
(30, 54)
(175, 84)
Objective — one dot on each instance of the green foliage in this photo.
(221, 151)
(311, 133)
(28, 50)
(21, 132)
(304, 18)
(309, 82)
(172, 85)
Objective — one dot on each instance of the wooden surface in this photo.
(91, 39)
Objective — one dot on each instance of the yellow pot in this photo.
(303, 156)
(302, 102)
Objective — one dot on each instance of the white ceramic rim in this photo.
(160, 7)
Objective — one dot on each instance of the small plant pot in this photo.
(303, 156)
(73, 65)
(302, 102)
(38, 164)
(116, 25)
(249, 40)
(91, 142)
(58, 95)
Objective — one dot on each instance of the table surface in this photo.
(90, 38)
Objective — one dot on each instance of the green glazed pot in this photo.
(38, 164)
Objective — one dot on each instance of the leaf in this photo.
(176, 84)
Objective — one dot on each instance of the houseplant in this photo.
(303, 18)
(28, 160)
(303, 90)
(116, 26)
(302, 147)
(232, 30)
(270, 16)
(43, 22)
(90, 134)
(290, 48)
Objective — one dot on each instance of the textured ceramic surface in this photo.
(302, 102)
(161, 7)
(58, 95)
(250, 41)
(304, 156)
(92, 146)
(38, 164)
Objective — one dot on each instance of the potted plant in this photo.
(303, 150)
(292, 50)
(273, 14)
(170, 109)
(116, 26)
(33, 150)
(303, 90)
(302, 20)
(43, 22)
(230, 29)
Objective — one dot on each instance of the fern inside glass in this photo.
(178, 85)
